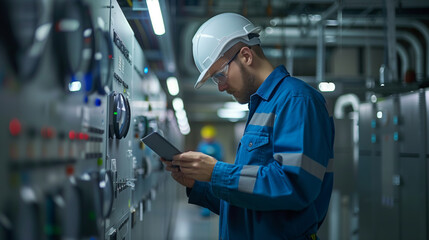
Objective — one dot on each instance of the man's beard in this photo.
(249, 86)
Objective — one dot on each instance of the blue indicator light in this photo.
(396, 136)
(373, 138)
(85, 99)
(97, 102)
(146, 70)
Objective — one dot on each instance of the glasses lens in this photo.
(220, 77)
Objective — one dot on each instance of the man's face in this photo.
(240, 84)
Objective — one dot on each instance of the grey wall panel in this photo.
(410, 134)
(413, 198)
(388, 226)
(367, 124)
(369, 187)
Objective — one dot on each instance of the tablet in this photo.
(160, 146)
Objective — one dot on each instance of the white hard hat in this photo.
(218, 35)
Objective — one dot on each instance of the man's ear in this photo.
(246, 56)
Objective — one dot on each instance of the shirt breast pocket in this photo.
(255, 148)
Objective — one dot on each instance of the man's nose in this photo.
(222, 87)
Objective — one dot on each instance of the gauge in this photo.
(74, 42)
(8, 44)
(54, 205)
(28, 225)
(120, 116)
(25, 16)
(106, 187)
(88, 61)
(30, 35)
(88, 186)
(140, 126)
(70, 225)
(103, 60)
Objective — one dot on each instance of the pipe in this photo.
(344, 101)
(290, 33)
(404, 59)
(350, 22)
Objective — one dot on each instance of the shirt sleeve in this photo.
(295, 165)
(201, 194)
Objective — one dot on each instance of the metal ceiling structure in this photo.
(340, 41)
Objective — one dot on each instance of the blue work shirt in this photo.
(281, 182)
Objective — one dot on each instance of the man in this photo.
(281, 182)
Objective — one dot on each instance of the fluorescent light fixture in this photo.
(156, 16)
(75, 86)
(236, 106)
(330, 38)
(373, 98)
(230, 113)
(173, 86)
(178, 104)
(181, 114)
(379, 114)
(327, 86)
(331, 23)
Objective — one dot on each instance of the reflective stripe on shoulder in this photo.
(302, 161)
(247, 180)
(263, 119)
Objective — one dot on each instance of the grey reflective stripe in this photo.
(300, 160)
(247, 180)
(330, 167)
(263, 119)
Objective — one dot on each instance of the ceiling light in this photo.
(236, 106)
(326, 86)
(173, 86)
(230, 113)
(156, 16)
(177, 104)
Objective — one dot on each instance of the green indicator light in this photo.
(129, 203)
(48, 230)
(91, 215)
(115, 113)
(100, 162)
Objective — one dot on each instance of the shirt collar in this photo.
(267, 87)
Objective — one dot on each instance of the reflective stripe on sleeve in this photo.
(263, 119)
(302, 161)
(247, 180)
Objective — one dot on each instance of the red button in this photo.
(15, 127)
(81, 136)
(72, 135)
(69, 170)
(50, 132)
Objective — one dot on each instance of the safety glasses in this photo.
(221, 76)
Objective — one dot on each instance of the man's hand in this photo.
(195, 165)
(177, 174)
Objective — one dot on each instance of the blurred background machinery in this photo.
(78, 96)
(81, 81)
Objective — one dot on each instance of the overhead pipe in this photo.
(294, 20)
(344, 101)
(290, 33)
(405, 62)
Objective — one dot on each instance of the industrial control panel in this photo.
(78, 95)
